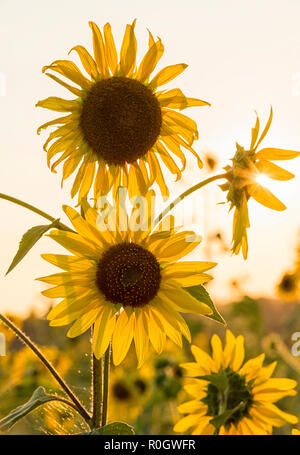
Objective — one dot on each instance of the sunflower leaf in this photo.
(201, 294)
(114, 428)
(38, 398)
(28, 240)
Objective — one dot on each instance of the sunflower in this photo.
(247, 166)
(232, 398)
(288, 287)
(119, 126)
(295, 432)
(125, 281)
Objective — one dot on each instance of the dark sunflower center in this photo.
(128, 274)
(121, 391)
(234, 395)
(121, 119)
(287, 283)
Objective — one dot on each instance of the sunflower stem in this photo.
(185, 194)
(107, 357)
(28, 342)
(35, 210)
(97, 390)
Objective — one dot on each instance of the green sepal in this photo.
(220, 380)
(221, 419)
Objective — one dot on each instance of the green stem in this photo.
(97, 393)
(35, 210)
(185, 194)
(106, 384)
(26, 340)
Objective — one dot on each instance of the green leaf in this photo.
(222, 418)
(29, 239)
(201, 294)
(115, 428)
(38, 398)
(220, 380)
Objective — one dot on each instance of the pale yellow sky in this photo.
(242, 56)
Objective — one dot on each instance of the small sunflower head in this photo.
(243, 181)
(238, 397)
(230, 396)
(288, 287)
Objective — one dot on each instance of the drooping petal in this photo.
(265, 197)
(103, 329)
(123, 335)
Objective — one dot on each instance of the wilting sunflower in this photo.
(232, 398)
(124, 281)
(288, 287)
(242, 183)
(119, 126)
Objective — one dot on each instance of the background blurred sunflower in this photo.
(230, 397)
(288, 287)
(119, 124)
(243, 176)
(125, 282)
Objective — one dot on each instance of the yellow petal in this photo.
(68, 263)
(123, 335)
(181, 300)
(68, 69)
(203, 359)
(99, 50)
(103, 329)
(265, 197)
(217, 350)
(74, 243)
(156, 331)
(76, 91)
(128, 51)
(83, 323)
(254, 132)
(141, 337)
(190, 407)
(167, 74)
(273, 171)
(276, 154)
(87, 61)
(110, 49)
(58, 104)
(239, 353)
(170, 325)
(266, 129)
(148, 63)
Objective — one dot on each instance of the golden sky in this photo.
(242, 55)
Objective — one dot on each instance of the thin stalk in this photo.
(97, 391)
(106, 384)
(185, 194)
(26, 340)
(35, 210)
